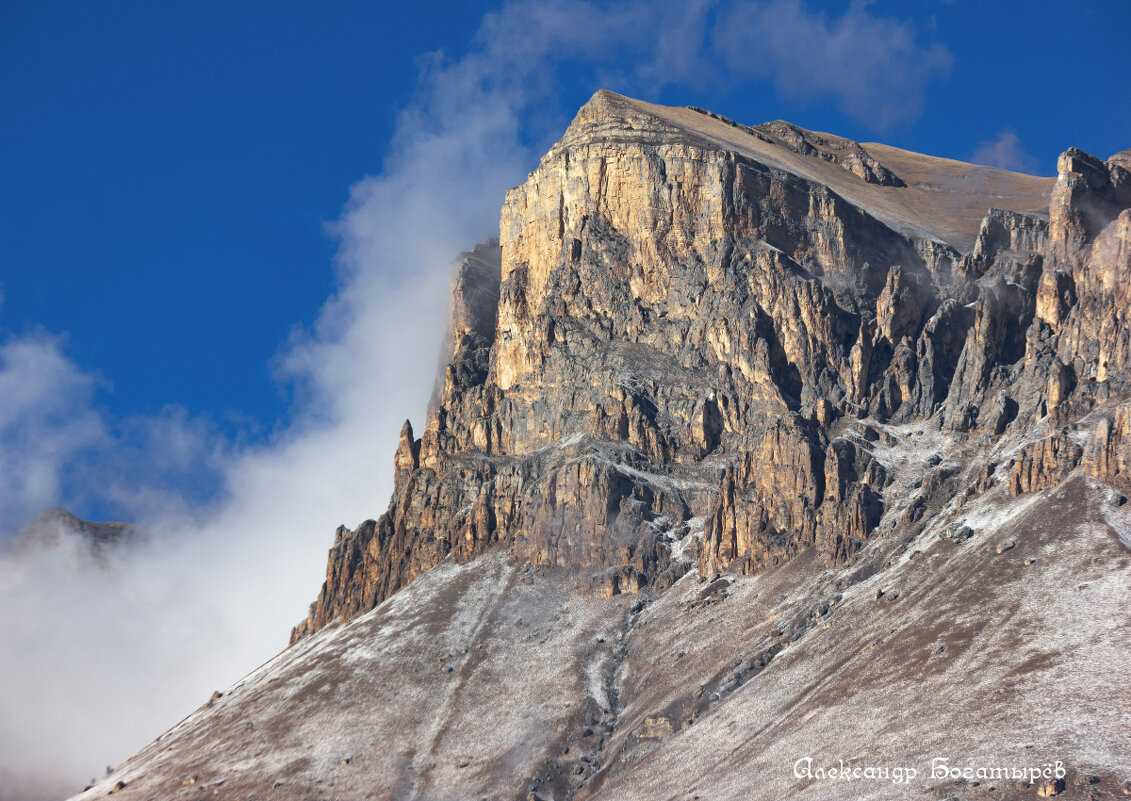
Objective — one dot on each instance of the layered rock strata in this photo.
(690, 334)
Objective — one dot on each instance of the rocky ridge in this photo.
(739, 457)
(689, 331)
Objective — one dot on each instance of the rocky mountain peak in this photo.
(689, 330)
(750, 443)
(52, 524)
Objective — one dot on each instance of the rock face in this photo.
(689, 329)
(752, 444)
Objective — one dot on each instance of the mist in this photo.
(1006, 153)
(102, 656)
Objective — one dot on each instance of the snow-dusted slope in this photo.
(496, 680)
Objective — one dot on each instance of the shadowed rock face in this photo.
(752, 444)
(690, 329)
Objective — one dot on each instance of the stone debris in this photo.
(1050, 788)
(957, 532)
(655, 728)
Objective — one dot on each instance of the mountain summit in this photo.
(753, 445)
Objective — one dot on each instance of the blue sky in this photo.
(225, 231)
(170, 168)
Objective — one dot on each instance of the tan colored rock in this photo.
(1055, 296)
(681, 316)
(1107, 455)
(1059, 385)
(407, 457)
(657, 728)
(1044, 464)
(1050, 788)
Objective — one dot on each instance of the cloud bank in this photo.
(1005, 152)
(46, 418)
(101, 657)
(872, 66)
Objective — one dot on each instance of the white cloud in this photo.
(46, 420)
(1005, 152)
(872, 66)
(105, 657)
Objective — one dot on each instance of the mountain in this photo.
(753, 445)
(53, 524)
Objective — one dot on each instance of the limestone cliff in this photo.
(690, 334)
(751, 444)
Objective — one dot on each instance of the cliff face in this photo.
(692, 334)
(753, 445)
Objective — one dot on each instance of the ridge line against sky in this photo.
(518, 57)
(140, 265)
(861, 66)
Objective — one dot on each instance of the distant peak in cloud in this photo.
(1006, 153)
